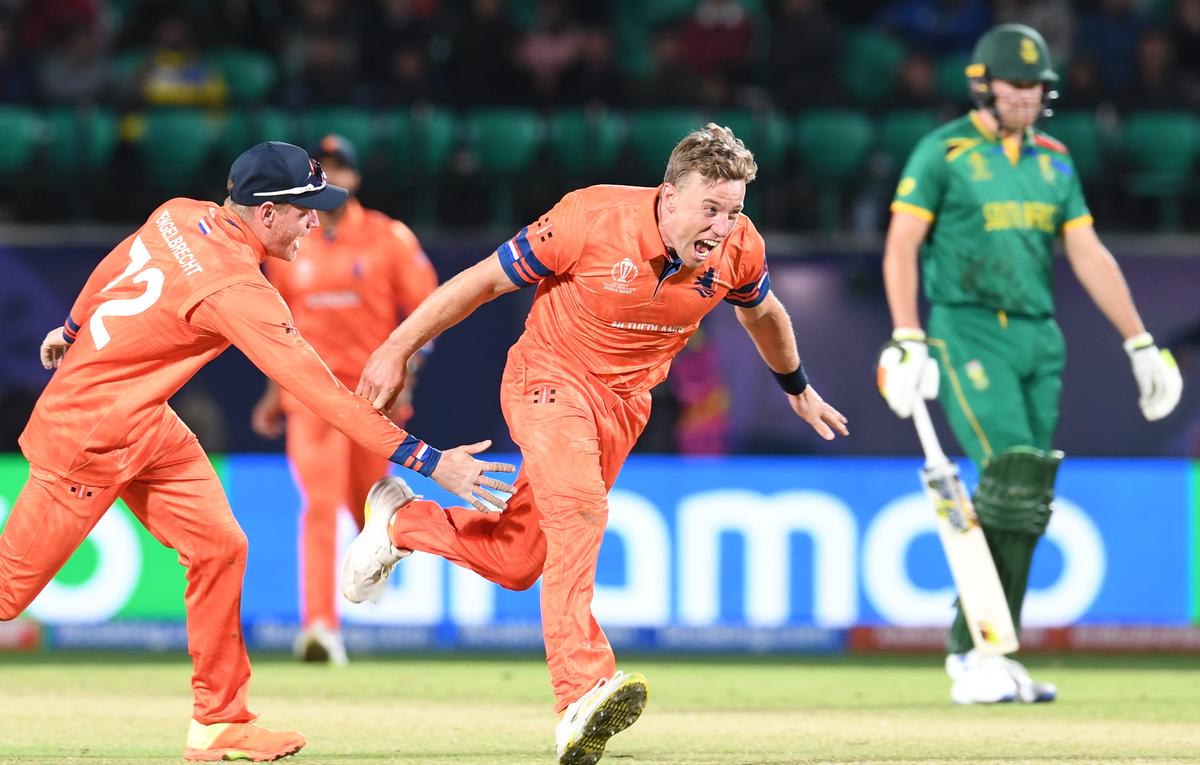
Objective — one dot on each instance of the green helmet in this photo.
(1012, 52)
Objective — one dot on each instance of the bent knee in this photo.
(227, 546)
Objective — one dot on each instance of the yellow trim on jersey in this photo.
(973, 115)
(958, 146)
(913, 210)
(961, 397)
(1082, 220)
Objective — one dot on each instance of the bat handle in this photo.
(934, 455)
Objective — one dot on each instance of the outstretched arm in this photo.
(770, 327)
(383, 377)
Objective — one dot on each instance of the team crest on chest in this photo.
(623, 273)
(704, 283)
(1046, 165)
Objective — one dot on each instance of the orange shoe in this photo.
(240, 741)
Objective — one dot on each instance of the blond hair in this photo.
(715, 153)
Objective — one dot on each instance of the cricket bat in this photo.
(979, 591)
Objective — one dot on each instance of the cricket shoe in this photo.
(372, 556)
(1029, 691)
(320, 645)
(611, 706)
(240, 741)
(980, 679)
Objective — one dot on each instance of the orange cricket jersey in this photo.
(348, 290)
(611, 300)
(161, 305)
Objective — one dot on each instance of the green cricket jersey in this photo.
(993, 223)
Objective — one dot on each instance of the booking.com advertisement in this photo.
(701, 553)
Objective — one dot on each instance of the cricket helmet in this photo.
(1012, 52)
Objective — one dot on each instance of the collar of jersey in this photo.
(239, 232)
(649, 239)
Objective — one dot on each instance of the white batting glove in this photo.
(1159, 382)
(905, 371)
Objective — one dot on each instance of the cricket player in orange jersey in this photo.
(352, 280)
(166, 301)
(624, 275)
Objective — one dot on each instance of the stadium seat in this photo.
(250, 75)
(899, 132)
(355, 124)
(869, 63)
(1078, 130)
(242, 129)
(177, 146)
(79, 139)
(950, 75)
(21, 129)
(1161, 149)
(832, 146)
(419, 145)
(653, 133)
(505, 144)
(585, 143)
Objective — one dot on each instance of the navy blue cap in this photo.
(337, 147)
(280, 172)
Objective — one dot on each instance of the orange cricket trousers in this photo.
(574, 435)
(179, 500)
(330, 471)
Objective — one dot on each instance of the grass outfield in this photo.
(105, 709)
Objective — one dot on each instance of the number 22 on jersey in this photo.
(139, 256)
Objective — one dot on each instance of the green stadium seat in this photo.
(357, 125)
(950, 76)
(869, 64)
(79, 139)
(653, 133)
(21, 128)
(177, 147)
(250, 75)
(1161, 149)
(585, 143)
(505, 144)
(899, 132)
(419, 143)
(242, 129)
(1078, 130)
(832, 146)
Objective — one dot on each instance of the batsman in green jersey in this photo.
(982, 200)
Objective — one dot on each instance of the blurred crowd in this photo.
(1127, 54)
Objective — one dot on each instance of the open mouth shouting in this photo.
(703, 247)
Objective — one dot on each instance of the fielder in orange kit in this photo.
(624, 275)
(352, 280)
(166, 301)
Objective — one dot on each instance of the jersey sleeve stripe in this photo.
(1082, 220)
(70, 330)
(415, 454)
(911, 209)
(519, 263)
(750, 295)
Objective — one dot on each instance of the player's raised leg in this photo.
(181, 502)
(47, 523)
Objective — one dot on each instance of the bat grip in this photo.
(934, 455)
